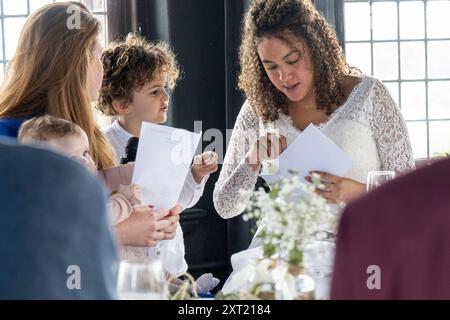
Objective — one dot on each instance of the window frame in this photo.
(3, 59)
(427, 120)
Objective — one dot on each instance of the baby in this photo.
(70, 140)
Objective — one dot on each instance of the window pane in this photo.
(11, 7)
(393, 90)
(2, 72)
(13, 26)
(357, 22)
(94, 5)
(384, 15)
(1, 43)
(385, 63)
(418, 134)
(358, 55)
(438, 20)
(412, 24)
(413, 100)
(102, 19)
(439, 99)
(439, 136)
(416, 60)
(412, 60)
(439, 59)
(36, 4)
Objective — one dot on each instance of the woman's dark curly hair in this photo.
(277, 18)
(129, 65)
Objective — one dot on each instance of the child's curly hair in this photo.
(299, 17)
(129, 65)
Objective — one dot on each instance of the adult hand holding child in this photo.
(173, 217)
(144, 227)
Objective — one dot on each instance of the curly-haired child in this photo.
(137, 78)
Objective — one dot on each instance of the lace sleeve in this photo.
(237, 180)
(389, 130)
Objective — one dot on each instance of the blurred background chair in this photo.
(401, 229)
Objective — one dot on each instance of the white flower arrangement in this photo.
(290, 218)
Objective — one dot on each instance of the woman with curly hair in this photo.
(294, 73)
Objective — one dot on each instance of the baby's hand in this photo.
(132, 193)
(204, 164)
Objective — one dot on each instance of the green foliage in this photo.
(444, 154)
(230, 296)
(296, 256)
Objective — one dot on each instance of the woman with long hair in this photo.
(57, 70)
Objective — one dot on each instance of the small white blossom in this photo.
(292, 216)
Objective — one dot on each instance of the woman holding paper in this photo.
(58, 71)
(294, 74)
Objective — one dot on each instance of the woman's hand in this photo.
(173, 217)
(267, 147)
(204, 164)
(143, 228)
(338, 189)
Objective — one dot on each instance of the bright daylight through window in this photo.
(406, 44)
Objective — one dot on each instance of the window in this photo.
(13, 14)
(406, 44)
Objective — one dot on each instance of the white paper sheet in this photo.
(163, 161)
(311, 151)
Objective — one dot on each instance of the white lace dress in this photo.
(368, 127)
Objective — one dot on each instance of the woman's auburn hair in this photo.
(277, 18)
(48, 73)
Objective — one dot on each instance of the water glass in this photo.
(377, 178)
(142, 281)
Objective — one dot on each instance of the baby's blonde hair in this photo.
(47, 127)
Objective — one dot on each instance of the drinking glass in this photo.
(377, 178)
(142, 281)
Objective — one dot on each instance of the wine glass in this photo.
(377, 178)
(142, 281)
